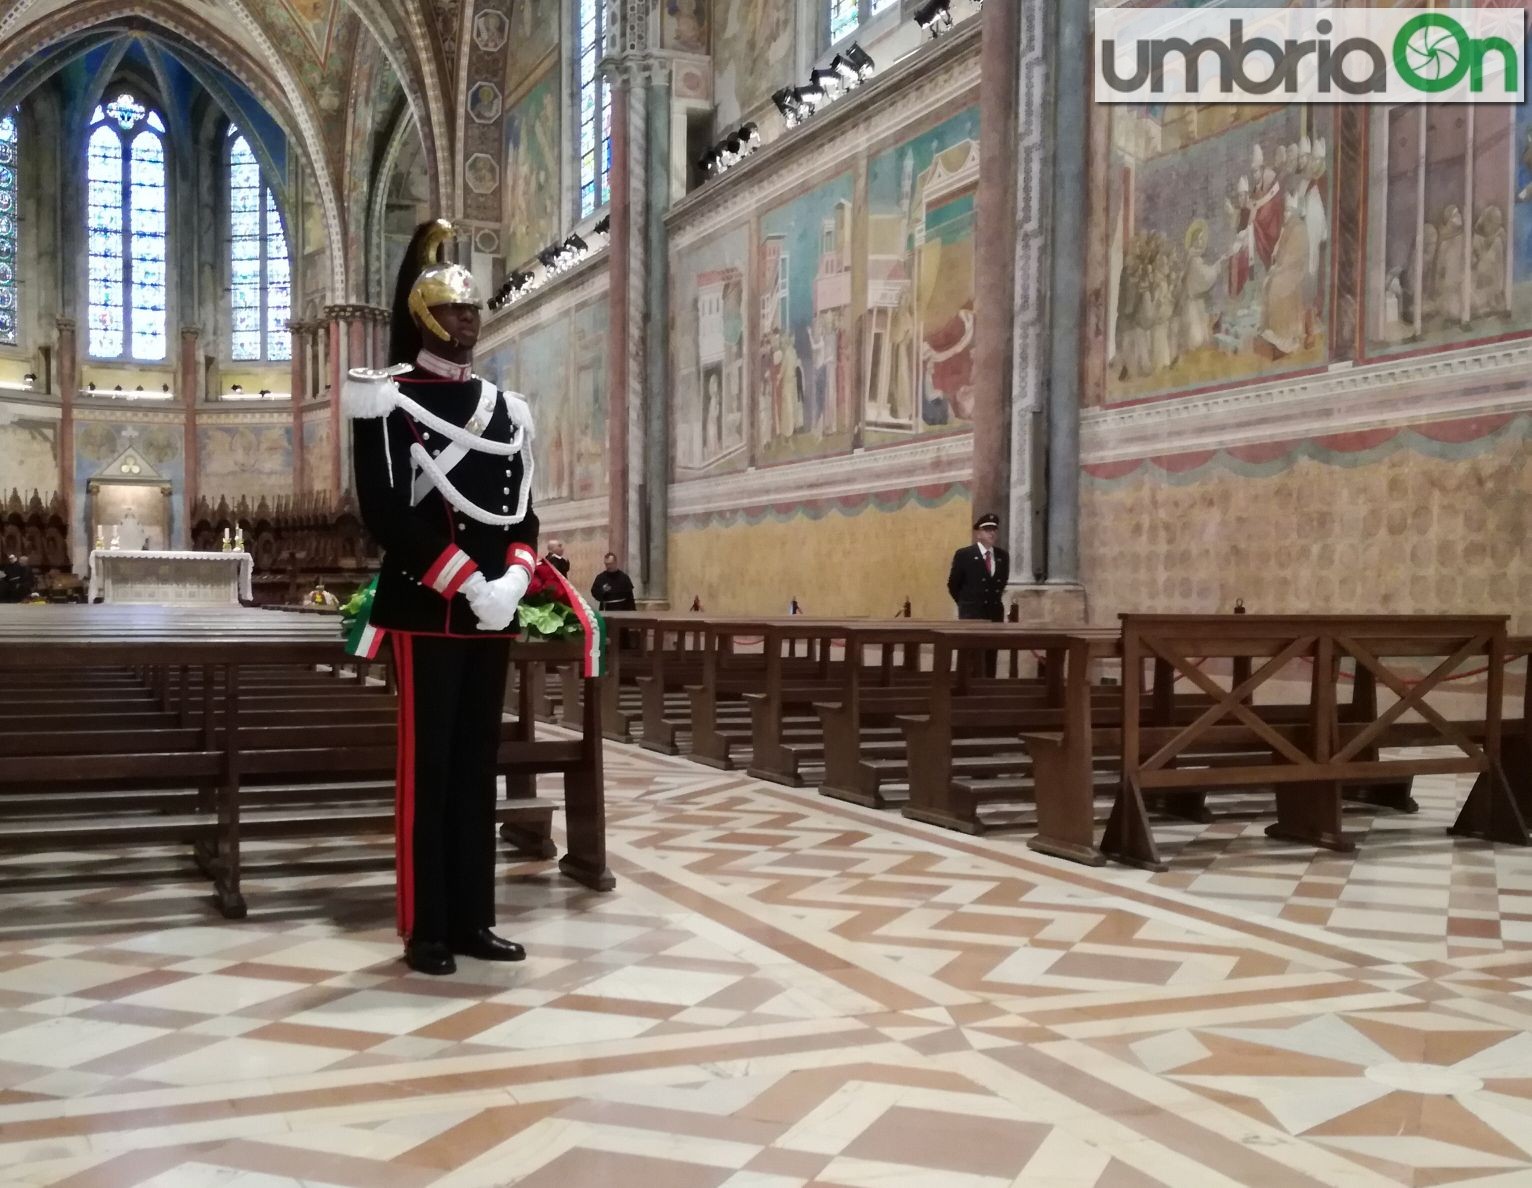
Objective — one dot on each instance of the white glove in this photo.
(493, 609)
(512, 588)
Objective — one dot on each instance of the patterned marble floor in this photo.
(788, 992)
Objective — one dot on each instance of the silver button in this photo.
(425, 434)
(462, 527)
(504, 508)
(505, 490)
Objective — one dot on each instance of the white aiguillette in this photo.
(369, 393)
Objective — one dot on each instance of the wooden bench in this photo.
(741, 659)
(1064, 805)
(215, 749)
(1310, 764)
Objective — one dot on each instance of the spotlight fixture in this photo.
(265, 391)
(935, 17)
(30, 378)
(164, 387)
(91, 387)
(828, 81)
(118, 388)
(730, 151)
(140, 388)
(553, 259)
(238, 389)
(860, 61)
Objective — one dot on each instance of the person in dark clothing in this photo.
(10, 579)
(978, 578)
(556, 557)
(613, 589)
(26, 579)
(443, 482)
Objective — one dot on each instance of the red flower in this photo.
(544, 581)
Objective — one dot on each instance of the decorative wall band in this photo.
(927, 497)
(1444, 441)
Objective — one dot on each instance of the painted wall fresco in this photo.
(710, 360)
(560, 366)
(1426, 519)
(531, 180)
(407, 205)
(918, 340)
(734, 563)
(1450, 219)
(244, 461)
(534, 35)
(1218, 246)
(803, 379)
(753, 55)
(685, 26)
(30, 453)
(318, 460)
(162, 444)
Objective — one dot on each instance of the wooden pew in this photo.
(1309, 763)
(304, 770)
(865, 758)
(1064, 803)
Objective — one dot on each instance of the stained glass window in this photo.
(595, 107)
(126, 216)
(847, 16)
(8, 167)
(260, 274)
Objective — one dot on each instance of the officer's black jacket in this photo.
(978, 594)
(430, 549)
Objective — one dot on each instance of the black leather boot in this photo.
(429, 957)
(486, 946)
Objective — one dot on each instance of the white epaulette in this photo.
(368, 394)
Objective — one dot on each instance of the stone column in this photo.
(655, 507)
(334, 369)
(1040, 303)
(1071, 180)
(637, 181)
(191, 394)
(298, 330)
(69, 384)
(995, 276)
(619, 252)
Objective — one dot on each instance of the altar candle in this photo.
(225, 536)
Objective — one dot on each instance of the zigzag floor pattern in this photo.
(788, 992)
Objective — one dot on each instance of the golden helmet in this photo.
(440, 284)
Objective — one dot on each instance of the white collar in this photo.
(436, 365)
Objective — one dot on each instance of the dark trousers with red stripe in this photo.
(450, 696)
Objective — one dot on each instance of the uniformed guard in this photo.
(978, 578)
(444, 480)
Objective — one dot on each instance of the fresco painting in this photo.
(917, 366)
(531, 177)
(534, 35)
(1450, 207)
(709, 357)
(803, 374)
(318, 463)
(753, 55)
(249, 461)
(563, 364)
(685, 26)
(31, 453)
(1218, 246)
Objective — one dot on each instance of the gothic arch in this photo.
(265, 73)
